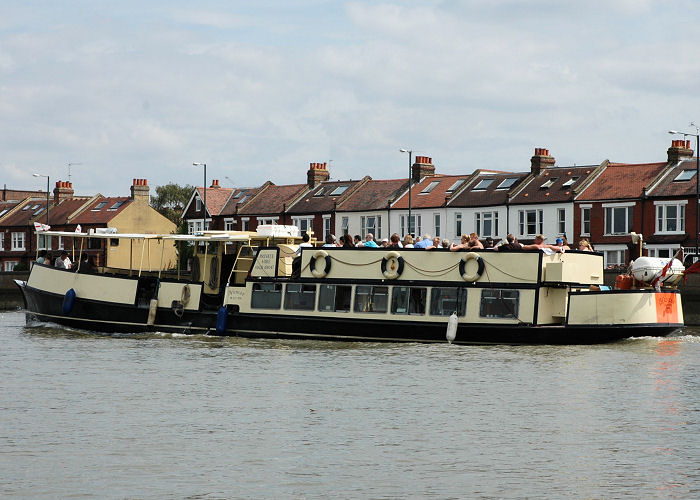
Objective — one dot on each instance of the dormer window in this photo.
(99, 206)
(685, 175)
(38, 212)
(483, 184)
(320, 192)
(237, 195)
(430, 187)
(549, 183)
(570, 182)
(26, 207)
(339, 190)
(116, 205)
(457, 184)
(507, 183)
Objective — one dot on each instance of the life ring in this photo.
(463, 264)
(392, 265)
(320, 273)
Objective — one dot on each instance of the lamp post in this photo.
(410, 161)
(47, 195)
(197, 164)
(697, 183)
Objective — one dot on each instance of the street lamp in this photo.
(697, 182)
(47, 195)
(197, 164)
(410, 161)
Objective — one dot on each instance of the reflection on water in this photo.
(161, 415)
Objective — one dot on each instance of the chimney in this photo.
(317, 173)
(540, 161)
(422, 167)
(214, 184)
(62, 191)
(139, 191)
(679, 150)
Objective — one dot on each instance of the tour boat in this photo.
(263, 284)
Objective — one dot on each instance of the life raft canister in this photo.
(320, 273)
(68, 301)
(392, 265)
(463, 264)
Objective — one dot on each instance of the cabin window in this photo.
(266, 296)
(445, 301)
(334, 298)
(496, 303)
(94, 243)
(114, 242)
(370, 298)
(408, 300)
(300, 297)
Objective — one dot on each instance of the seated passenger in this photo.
(539, 244)
(474, 243)
(464, 245)
(395, 241)
(369, 241)
(408, 241)
(585, 246)
(510, 244)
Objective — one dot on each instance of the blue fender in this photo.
(221, 319)
(68, 301)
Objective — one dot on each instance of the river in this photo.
(84, 415)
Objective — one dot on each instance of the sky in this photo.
(258, 90)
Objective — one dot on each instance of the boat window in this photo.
(445, 301)
(496, 303)
(370, 298)
(408, 300)
(266, 296)
(300, 297)
(94, 244)
(334, 298)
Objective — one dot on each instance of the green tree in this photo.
(170, 200)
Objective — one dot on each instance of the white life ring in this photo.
(392, 265)
(316, 271)
(463, 265)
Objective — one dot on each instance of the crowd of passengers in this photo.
(468, 242)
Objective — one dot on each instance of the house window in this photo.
(2, 242)
(60, 243)
(548, 183)
(458, 224)
(507, 183)
(530, 222)
(267, 221)
(618, 220)
(614, 257)
(44, 242)
(99, 206)
(483, 184)
(486, 223)
(17, 242)
(326, 225)
(685, 175)
(455, 186)
(245, 223)
(662, 252)
(436, 221)
(430, 187)
(416, 224)
(344, 225)
(670, 218)
(197, 205)
(305, 224)
(561, 221)
(371, 224)
(228, 225)
(585, 221)
(9, 265)
(338, 191)
(570, 182)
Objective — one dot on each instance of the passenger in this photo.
(87, 264)
(445, 243)
(474, 243)
(395, 241)
(42, 257)
(464, 245)
(369, 241)
(304, 242)
(539, 244)
(425, 242)
(358, 241)
(330, 241)
(561, 242)
(63, 261)
(347, 242)
(488, 243)
(408, 241)
(509, 245)
(585, 246)
(384, 243)
(436, 243)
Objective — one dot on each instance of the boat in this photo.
(264, 284)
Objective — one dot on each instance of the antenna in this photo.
(69, 166)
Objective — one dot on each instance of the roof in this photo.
(374, 195)
(619, 181)
(239, 197)
(102, 210)
(25, 212)
(59, 214)
(216, 198)
(553, 184)
(324, 197)
(5, 207)
(488, 189)
(680, 180)
(272, 199)
(431, 191)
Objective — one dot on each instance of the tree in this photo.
(170, 200)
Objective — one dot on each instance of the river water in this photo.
(84, 415)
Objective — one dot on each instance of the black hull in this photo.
(109, 317)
